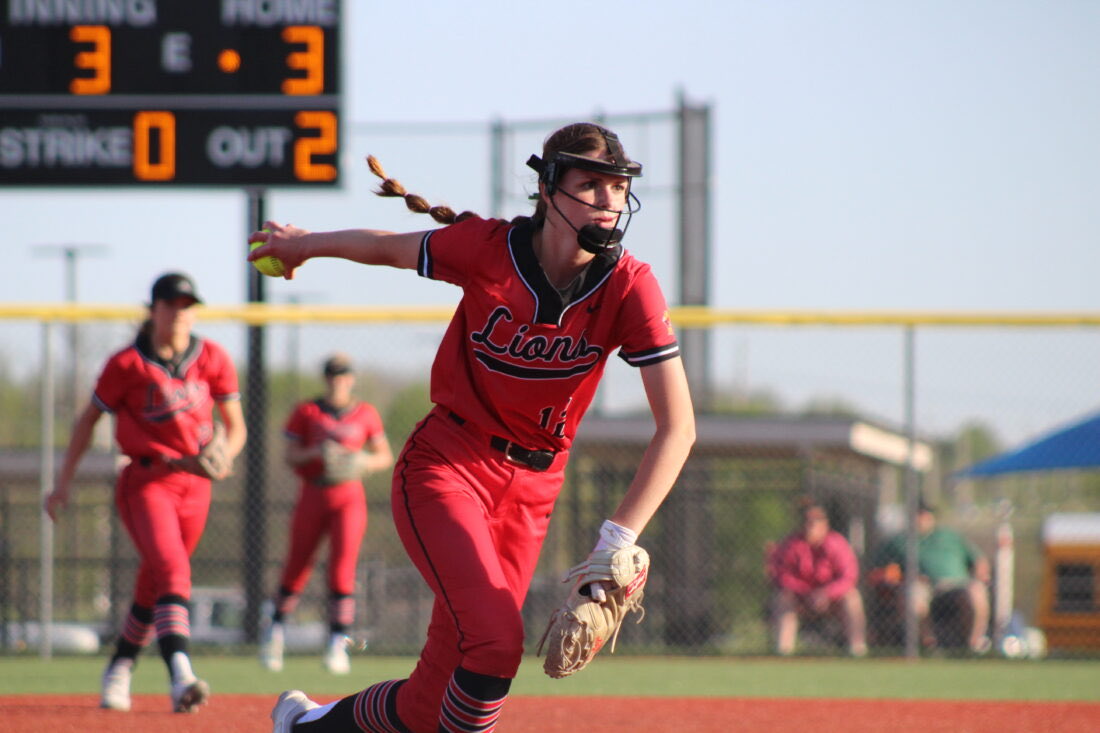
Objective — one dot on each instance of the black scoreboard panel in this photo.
(169, 92)
(192, 146)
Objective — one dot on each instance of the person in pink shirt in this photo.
(814, 572)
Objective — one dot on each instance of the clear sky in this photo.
(868, 154)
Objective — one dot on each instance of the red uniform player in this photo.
(547, 299)
(332, 442)
(162, 390)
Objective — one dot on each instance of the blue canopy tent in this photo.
(1075, 446)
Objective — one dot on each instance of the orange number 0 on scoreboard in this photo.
(164, 123)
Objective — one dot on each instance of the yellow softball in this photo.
(270, 266)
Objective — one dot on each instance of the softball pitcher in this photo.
(332, 442)
(546, 300)
(161, 390)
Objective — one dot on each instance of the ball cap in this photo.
(174, 285)
(337, 364)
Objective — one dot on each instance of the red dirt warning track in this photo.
(248, 714)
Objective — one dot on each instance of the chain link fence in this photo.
(803, 406)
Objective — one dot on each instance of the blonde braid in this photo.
(416, 204)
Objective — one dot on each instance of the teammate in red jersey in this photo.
(162, 390)
(332, 442)
(546, 300)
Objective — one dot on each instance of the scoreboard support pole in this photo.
(254, 506)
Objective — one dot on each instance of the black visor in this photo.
(550, 171)
(560, 161)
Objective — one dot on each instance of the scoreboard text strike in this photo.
(169, 92)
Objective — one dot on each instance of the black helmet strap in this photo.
(594, 238)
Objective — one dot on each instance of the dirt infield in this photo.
(522, 714)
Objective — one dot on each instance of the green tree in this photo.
(756, 402)
(408, 407)
(20, 405)
(974, 442)
(830, 407)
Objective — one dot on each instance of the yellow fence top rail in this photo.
(684, 316)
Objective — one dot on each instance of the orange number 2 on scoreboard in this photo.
(306, 147)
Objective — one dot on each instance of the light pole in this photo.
(71, 254)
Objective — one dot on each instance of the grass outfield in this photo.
(941, 679)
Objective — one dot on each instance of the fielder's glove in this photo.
(211, 462)
(341, 464)
(582, 625)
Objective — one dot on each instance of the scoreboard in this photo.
(170, 92)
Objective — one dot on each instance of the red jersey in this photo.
(163, 409)
(518, 359)
(316, 421)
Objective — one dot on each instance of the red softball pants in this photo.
(164, 513)
(340, 511)
(473, 524)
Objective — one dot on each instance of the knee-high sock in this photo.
(341, 612)
(172, 619)
(374, 710)
(136, 632)
(472, 702)
(285, 602)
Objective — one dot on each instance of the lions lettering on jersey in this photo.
(165, 400)
(564, 356)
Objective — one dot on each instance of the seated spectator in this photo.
(948, 565)
(814, 571)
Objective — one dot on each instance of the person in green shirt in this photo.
(947, 562)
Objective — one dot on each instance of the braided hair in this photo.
(580, 138)
(391, 187)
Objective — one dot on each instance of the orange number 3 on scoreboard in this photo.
(98, 60)
(311, 61)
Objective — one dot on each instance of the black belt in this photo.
(536, 460)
